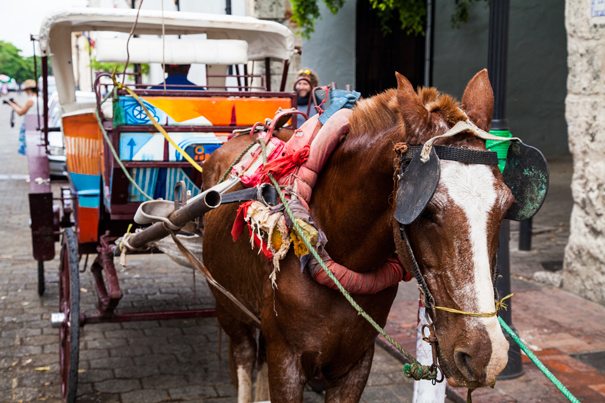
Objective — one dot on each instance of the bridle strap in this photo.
(429, 301)
(459, 154)
(462, 126)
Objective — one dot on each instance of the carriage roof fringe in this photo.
(264, 38)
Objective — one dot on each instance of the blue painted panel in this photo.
(150, 146)
(158, 183)
(89, 201)
(173, 175)
(134, 113)
(132, 143)
(90, 184)
(146, 178)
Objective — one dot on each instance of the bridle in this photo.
(420, 155)
(448, 153)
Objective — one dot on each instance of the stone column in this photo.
(279, 11)
(584, 266)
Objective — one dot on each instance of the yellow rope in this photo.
(158, 126)
(127, 232)
(499, 304)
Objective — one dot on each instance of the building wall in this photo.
(330, 51)
(537, 68)
(584, 266)
(278, 11)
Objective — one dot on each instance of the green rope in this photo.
(539, 364)
(413, 370)
(113, 151)
(228, 171)
(501, 147)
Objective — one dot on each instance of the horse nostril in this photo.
(464, 364)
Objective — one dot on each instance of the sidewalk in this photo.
(136, 362)
(565, 331)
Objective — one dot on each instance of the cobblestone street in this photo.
(174, 360)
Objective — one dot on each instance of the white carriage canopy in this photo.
(264, 38)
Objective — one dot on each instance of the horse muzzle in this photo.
(475, 361)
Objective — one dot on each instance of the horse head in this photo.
(455, 238)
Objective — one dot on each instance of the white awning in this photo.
(177, 51)
(265, 38)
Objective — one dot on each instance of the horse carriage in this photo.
(117, 158)
(364, 175)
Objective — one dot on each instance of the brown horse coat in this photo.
(307, 328)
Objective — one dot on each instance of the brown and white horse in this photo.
(306, 328)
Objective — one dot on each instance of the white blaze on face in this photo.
(472, 189)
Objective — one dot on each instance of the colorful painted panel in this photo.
(152, 146)
(202, 111)
(88, 224)
(82, 143)
(158, 183)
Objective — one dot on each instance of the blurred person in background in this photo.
(177, 75)
(306, 80)
(29, 108)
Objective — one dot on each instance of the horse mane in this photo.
(375, 114)
(381, 112)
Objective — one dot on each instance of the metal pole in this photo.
(268, 73)
(428, 43)
(31, 37)
(45, 98)
(525, 228)
(497, 69)
(138, 79)
(207, 201)
(284, 75)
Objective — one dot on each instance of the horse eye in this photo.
(428, 215)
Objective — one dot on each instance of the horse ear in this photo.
(478, 100)
(414, 114)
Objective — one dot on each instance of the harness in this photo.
(418, 177)
(448, 153)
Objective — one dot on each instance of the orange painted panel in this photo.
(82, 143)
(88, 224)
(220, 110)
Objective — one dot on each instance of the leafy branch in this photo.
(119, 67)
(411, 13)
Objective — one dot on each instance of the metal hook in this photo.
(180, 195)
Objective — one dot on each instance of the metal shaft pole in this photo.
(45, 98)
(525, 228)
(497, 69)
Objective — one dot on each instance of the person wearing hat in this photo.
(29, 108)
(306, 80)
(31, 89)
(177, 75)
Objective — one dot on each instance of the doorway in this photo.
(379, 56)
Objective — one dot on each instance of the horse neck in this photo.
(353, 201)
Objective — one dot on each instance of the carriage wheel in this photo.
(41, 286)
(69, 305)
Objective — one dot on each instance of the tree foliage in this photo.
(118, 67)
(13, 64)
(411, 13)
(16, 66)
